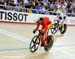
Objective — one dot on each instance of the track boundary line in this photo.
(31, 23)
(67, 54)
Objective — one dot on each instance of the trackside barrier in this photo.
(26, 18)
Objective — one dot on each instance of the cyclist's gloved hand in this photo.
(42, 32)
(34, 31)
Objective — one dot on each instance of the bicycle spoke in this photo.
(37, 42)
(33, 41)
(32, 46)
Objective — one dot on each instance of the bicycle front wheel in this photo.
(53, 29)
(34, 44)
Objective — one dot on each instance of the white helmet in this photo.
(61, 16)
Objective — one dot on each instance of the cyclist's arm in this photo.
(37, 26)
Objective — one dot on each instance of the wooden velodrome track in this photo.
(15, 39)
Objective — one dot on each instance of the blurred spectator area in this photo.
(39, 6)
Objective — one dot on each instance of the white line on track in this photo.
(16, 36)
(66, 54)
(26, 40)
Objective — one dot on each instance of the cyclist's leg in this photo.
(61, 25)
(42, 38)
(46, 35)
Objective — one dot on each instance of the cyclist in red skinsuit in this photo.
(46, 24)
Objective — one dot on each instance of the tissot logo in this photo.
(13, 16)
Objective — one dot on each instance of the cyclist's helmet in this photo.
(61, 16)
(40, 19)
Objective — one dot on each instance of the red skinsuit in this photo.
(45, 22)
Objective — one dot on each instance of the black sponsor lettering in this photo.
(15, 16)
(9, 16)
(5, 15)
(25, 17)
(20, 17)
(1, 14)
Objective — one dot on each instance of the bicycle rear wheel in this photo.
(63, 29)
(34, 44)
(50, 43)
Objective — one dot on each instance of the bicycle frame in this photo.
(40, 35)
(34, 44)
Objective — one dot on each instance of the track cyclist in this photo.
(46, 24)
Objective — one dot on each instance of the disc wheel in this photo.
(63, 29)
(50, 43)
